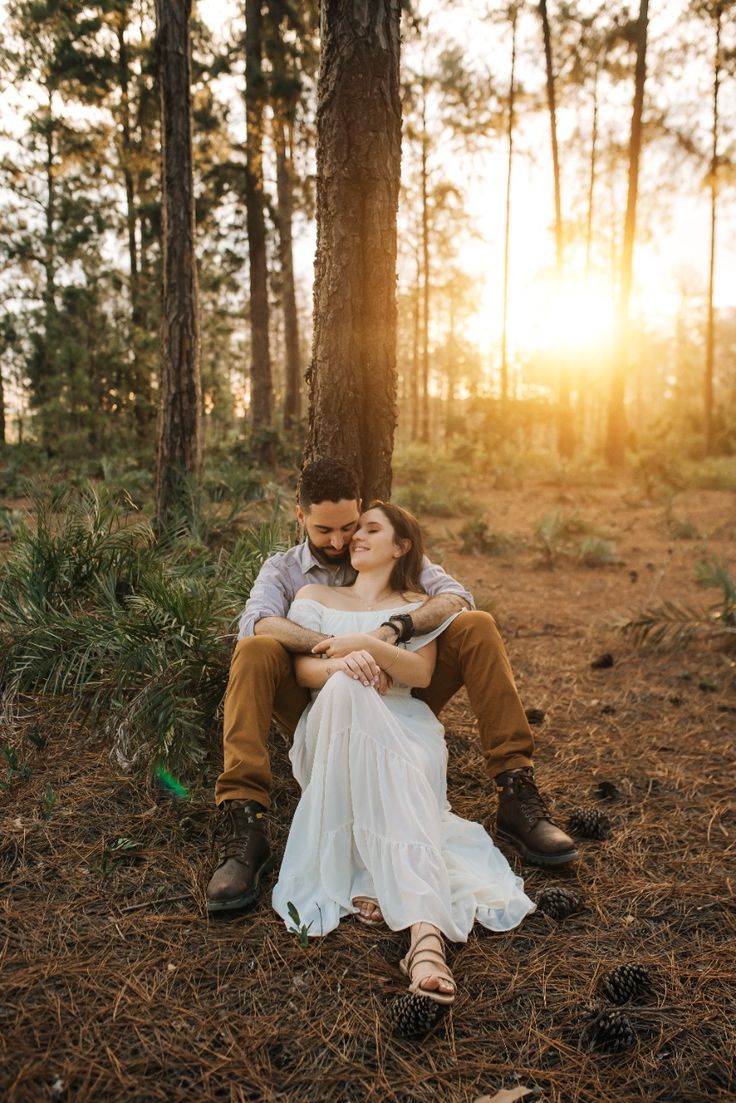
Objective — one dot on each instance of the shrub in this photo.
(134, 633)
(595, 551)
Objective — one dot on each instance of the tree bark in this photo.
(352, 376)
(261, 394)
(179, 450)
(140, 384)
(565, 435)
(416, 328)
(424, 412)
(292, 396)
(616, 422)
(507, 225)
(713, 187)
(592, 176)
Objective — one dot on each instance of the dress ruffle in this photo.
(373, 820)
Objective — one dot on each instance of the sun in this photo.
(568, 317)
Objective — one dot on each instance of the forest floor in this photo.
(116, 986)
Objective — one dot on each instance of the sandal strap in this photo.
(429, 956)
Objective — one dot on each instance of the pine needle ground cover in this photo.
(114, 985)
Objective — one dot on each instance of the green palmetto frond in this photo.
(671, 624)
(135, 634)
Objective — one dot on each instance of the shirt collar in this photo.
(307, 560)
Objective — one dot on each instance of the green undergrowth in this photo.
(672, 624)
(133, 631)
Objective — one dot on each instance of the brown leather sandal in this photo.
(434, 957)
(376, 921)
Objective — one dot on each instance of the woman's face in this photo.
(374, 541)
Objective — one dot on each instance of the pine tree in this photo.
(179, 449)
(352, 376)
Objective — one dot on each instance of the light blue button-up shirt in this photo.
(284, 574)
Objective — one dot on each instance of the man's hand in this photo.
(385, 681)
(337, 647)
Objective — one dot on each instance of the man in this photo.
(262, 685)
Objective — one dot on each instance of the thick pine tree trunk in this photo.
(616, 423)
(261, 393)
(292, 396)
(352, 376)
(180, 394)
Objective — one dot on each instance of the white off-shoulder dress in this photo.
(373, 818)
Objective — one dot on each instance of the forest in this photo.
(485, 254)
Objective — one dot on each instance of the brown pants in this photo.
(470, 652)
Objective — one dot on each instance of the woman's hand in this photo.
(359, 665)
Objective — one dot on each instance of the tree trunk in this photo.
(180, 393)
(424, 418)
(616, 422)
(592, 177)
(416, 330)
(507, 227)
(352, 377)
(261, 393)
(713, 186)
(140, 384)
(565, 436)
(292, 396)
(2, 409)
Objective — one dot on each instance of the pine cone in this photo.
(412, 1016)
(625, 982)
(558, 903)
(609, 1032)
(589, 823)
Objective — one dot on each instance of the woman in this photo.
(373, 834)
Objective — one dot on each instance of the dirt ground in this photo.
(115, 986)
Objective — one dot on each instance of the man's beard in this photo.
(329, 560)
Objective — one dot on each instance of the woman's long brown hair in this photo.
(406, 574)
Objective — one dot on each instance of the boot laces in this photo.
(238, 822)
(531, 801)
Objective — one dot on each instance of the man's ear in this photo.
(300, 516)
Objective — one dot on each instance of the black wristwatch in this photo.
(403, 624)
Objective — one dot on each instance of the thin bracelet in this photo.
(392, 664)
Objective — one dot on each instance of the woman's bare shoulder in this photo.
(314, 592)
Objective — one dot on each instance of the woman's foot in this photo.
(425, 965)
(368, 911)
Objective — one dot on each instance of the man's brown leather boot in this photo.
(523, 820)
(245, 857)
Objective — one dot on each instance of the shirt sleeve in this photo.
(270, 596)
(419, 641)
(307, 613)
(437, 581)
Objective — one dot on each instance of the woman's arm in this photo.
(313, 673)
(413, 668)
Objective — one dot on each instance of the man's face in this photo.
(329, 527)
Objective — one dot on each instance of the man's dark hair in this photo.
(327, 480)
